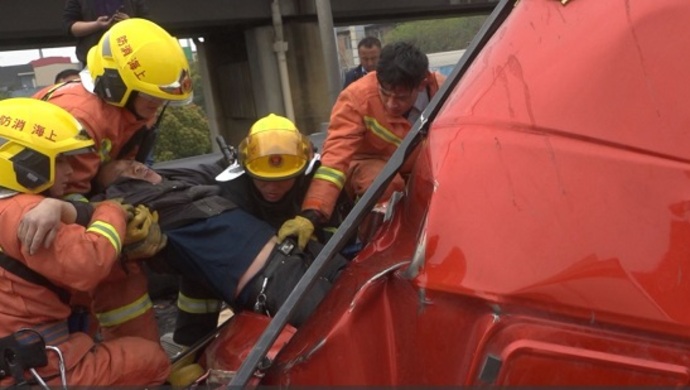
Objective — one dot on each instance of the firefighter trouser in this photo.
(127, 361)
(122, 304)
(198, 311)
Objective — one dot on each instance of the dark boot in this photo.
(198, 311)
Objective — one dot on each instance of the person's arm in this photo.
(80, 257)
(71, 13)
(439, 79)
(345, 134)
(39, 226)
(84, 28)
(77, 24)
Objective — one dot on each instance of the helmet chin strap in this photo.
(130, 105)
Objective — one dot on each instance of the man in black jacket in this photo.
(215, 244)
(369, 50)
(88, 20)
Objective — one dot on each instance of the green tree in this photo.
(436, 35)
(183, 132)
(196, 84)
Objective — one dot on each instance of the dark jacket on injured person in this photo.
(178, 202)
(208, 236)
(212, 239)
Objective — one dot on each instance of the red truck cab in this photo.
(544, 236)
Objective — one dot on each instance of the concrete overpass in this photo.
(237, 61)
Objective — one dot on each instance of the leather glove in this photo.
(149, 246)
(138, 227)
(302, 227)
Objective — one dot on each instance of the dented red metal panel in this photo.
(563, 159)
(545, 234)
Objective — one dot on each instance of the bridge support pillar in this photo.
(244, 82)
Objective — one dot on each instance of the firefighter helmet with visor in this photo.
(138, 55)
(33, 133)
(275, 149)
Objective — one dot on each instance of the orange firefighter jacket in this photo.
(79, 259)
(121, 303)
(109, 126)
(359, 128)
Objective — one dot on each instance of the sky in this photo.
(23, 57)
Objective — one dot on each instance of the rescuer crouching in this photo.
(36, 345)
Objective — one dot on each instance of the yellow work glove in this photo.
(138, 227)
(144, 236)
(300, 227)
(149, 246)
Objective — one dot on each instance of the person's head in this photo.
(138, 65)
(274, 154)
(35, 138)
(110, 172)
(67, 75)
(401, 73)
(369, 50)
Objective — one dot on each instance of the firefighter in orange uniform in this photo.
(35, 138)
(368, 121)
(122, 90)
(135, 70)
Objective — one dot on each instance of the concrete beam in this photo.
(26, 24)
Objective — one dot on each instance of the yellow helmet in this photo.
(138, 55)
(32, 134)
(275, 149)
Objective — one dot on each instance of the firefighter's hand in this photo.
(300, 227)
(153, 243)
(139, 226)
(40, 224)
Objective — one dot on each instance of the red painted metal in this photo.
(551, 208)
(226, 352)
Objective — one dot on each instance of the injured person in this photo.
(211, 240)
